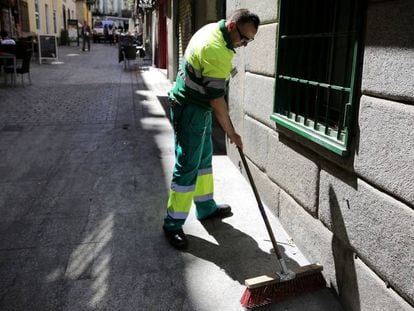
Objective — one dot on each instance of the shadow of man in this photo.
(237, 253)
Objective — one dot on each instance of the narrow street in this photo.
(87, 154)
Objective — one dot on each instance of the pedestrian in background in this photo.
(111, 34)
(86, 36)
(106, 33)
(199, 90)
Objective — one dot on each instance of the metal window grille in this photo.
(316, 69)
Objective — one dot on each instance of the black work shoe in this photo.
(177, 238)
(222, 211)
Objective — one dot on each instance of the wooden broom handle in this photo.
(260, 204)
(259, 201)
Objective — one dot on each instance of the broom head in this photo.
(267, 289)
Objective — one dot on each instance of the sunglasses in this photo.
(243, 38)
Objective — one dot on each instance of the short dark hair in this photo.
(244, 16)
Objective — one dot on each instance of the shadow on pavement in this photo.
(249, 260)
(84, 191)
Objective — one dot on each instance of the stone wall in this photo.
(353, 214)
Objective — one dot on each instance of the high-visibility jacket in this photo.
(206, 67)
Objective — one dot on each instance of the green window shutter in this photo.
(316, 69)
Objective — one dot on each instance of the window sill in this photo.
(311, 134)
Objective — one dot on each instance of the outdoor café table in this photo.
(4, 56)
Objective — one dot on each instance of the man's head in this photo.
(242, 27)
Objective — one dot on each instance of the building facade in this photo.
(324, 99)
(109, 7)
(50, 17)
(83, 12)
(31, 17)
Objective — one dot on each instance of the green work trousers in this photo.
(192, 178)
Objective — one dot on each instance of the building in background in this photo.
(22, 18)
(10, 16)
(109, 7)
(83, 11)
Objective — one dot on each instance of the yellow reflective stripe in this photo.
(179, 204)
(204, 185)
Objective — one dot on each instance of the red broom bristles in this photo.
(270, 293)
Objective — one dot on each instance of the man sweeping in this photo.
(199, 90)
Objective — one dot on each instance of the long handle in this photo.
(260, 204)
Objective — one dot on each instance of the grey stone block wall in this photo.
(388, 69)
(355, 215)
(269, 191)
(378, 227)
(295, 173)
(256, 141)
(357, 286)
(234, 5)
(267, 10)
(261, 54)
(309, 234)
(385, 155)
(259, 97)
(373, 294)
(236, 92)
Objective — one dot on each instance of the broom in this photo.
(284, 284)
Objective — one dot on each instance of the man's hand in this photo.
(236, 139)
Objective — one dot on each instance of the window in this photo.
(37, 14)
(63, 17)
(47, 18)
(54, 22)
(24, 16)
(316, 69)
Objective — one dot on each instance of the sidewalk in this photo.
(87, 154)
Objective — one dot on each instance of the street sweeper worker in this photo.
(198, 92)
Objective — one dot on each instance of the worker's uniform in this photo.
(203, 76)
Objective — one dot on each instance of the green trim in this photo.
(226, 36)
(352, 98)
(311, 134)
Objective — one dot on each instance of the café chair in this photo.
(129, 53)
(24, 66)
